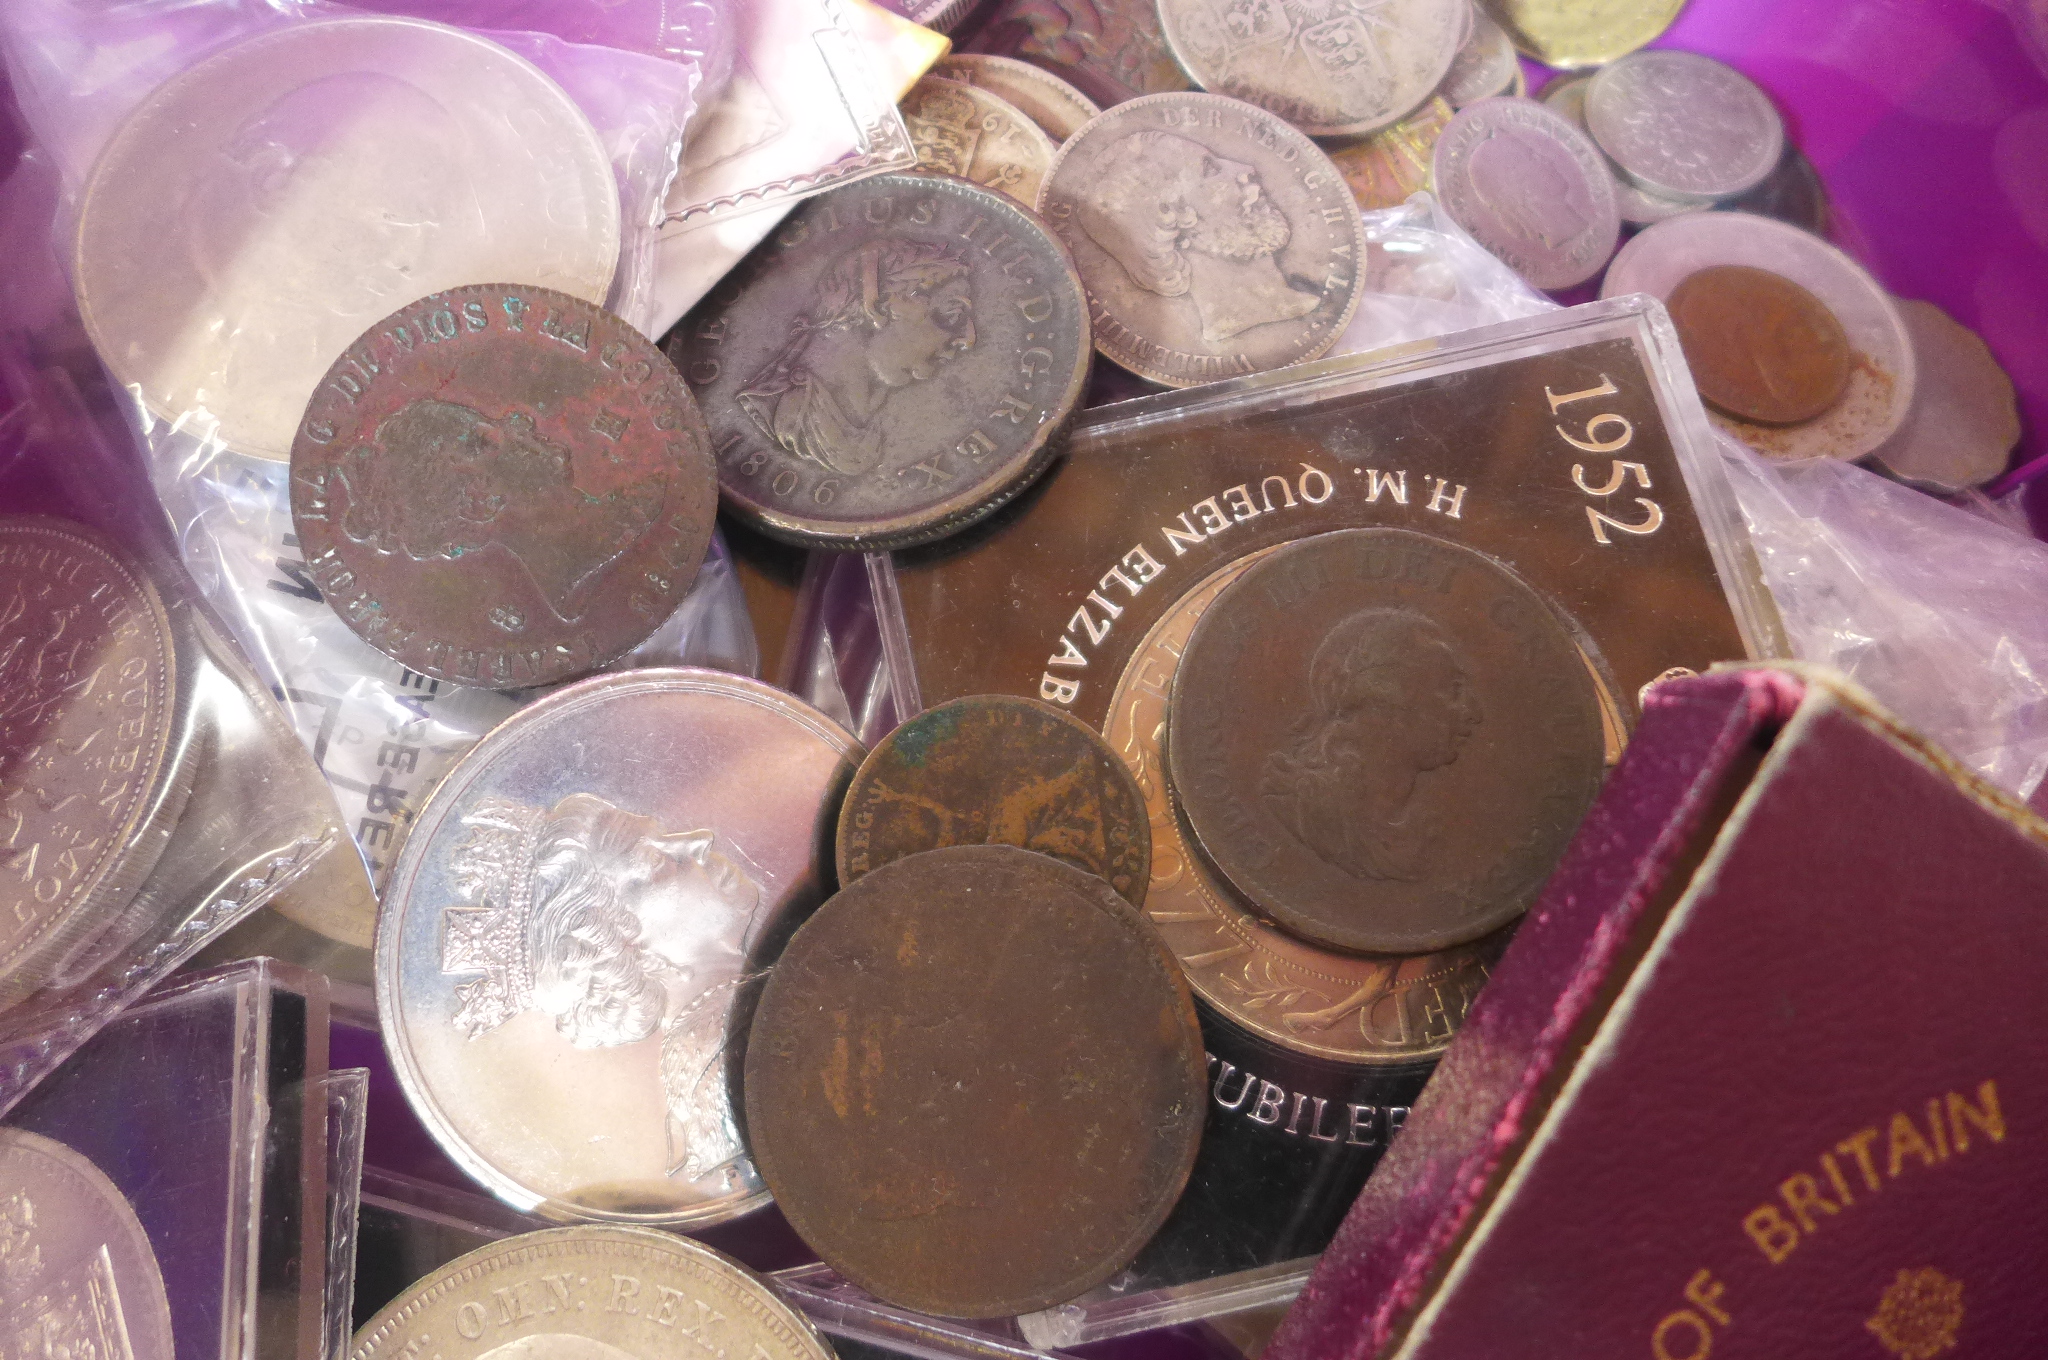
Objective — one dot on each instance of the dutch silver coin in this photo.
(1964, 419)
(1531, 188)
(1214, 240)
(1333, 70)
(258, 212)
(574, 930)
(1684, 126)
(1486, 64)
(1043, 97)
(77, 1275)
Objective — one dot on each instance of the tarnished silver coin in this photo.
(590, 1294)
(1964, 419)
(1486, 64)
(1637, 207)
(571, 936)
(1214, 239)
(78, 1280)
(257, 212)
(961, 129)
(1110, 49)
(1685, 126)
(1334, 70)
(1041, 96)
(1531, 188)
(891, 365)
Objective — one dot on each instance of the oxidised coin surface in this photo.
(1332, 69)
(1760, 347)
(572, 932)
(1382, 740)
(1214, 239)
(1041, 96)
(502, 486)
(590, 1294)
(975, 1082)
(78, 1279)
(1111, 49)
(961, 129)
(997, 769)
(891, 365)
(1684, 126)
(1385, 168)
(1531, 188)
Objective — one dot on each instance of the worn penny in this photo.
(997, 769)
(975, 1082)
(1383, 741)
(1530, 187)
(1760, 347)
(962, 129)
(1041, 96)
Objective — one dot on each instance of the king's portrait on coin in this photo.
(619, 930)
(1187, 223)
(1391, 700)
(1515, 176)
(888, 314)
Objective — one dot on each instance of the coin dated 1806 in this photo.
(590, 1293)
(573, 931)
(889, 366)
(962, 129)
(1383, 740)
(1041, 96)
(1004, 770)
(502, 486)
(1531, 188)
(1214, 239)
(1335, 70)
(975, 1081)
(1684, 126)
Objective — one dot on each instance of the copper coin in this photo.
(502, 486)
(1382, 740)
(998, 769)
(1761, 347)
(1112, 50)
(975, 1082)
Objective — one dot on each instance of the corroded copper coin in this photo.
(998, 769)
(975, 1082)
(1383, 741)
(502, 486)
(1761, 347)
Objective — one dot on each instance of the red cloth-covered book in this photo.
(1765, 1074)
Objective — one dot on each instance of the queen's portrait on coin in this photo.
(619, 930)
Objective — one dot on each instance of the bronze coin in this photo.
(891, 365)
(502, 486)
(975, 1082)
(1382, 740)
(1761, 347)
(996, 769)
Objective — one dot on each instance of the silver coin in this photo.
(1043, 97)
(1214, 240)
(961, 129)
(574, 928)
(1964, 420)
(590, 1294)
(1638, 207)
(77, 1275)
(1531, 188)
(1334, 68)
(1486, 64)
(1681, 125)
(257, 213)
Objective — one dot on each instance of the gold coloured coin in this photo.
(1571, 34)
(1386, 167)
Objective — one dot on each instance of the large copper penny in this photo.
(502, 486)
(1383, 741)
(998, 769)
(975, 1082)
(1761, 347)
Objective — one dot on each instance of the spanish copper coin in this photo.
(1041, 96)
(89, 684)
(975, 1082)
(1214, 239)
(78, 1278)
(1112, 50)
(1530, 187)
(1335, 70)
(1385, 168)
(961, 129)
(1383, 741)
(1760, 347)
(1964, 419)
(997, 769)
(590, 1293)
(1684, 126)
(891, 365)
(502, 486)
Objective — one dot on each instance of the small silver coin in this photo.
(1684, 126)
(1043, 97)
(1638, 207)
(1486, 65)
(1531, 188)
(1214, 240)
(77, 1275)
(1964, 419)
(573, 932)
(1333, 70)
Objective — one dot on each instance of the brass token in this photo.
(1385, 168)
(961, 129)
(1571, 34)
(1761, 347)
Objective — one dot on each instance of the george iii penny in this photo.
(502, 486)
(1760, 347)
(998, 769)
(962, 129)
(975, 1082)
(1531, 188)
(1383, 741)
